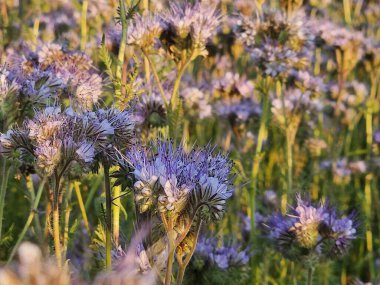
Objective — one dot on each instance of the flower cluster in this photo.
(277, 43)
(183, 29)
(311, 234)
(56, 139)
(51, 72)
(224, 256)
(234, 99)
(170, 180)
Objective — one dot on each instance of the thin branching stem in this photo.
(32, 213)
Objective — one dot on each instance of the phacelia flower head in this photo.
(311, 234)
(169, 179)
(144, 31)
(187, 28)
(277, 43)
(56, 139)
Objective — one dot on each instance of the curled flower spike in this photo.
(171, 180)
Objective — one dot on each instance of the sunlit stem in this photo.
(171, 247)
(156, 77)
(107, 185)
(185, 263)
(32, 213)
(180, 71)
(122, 44)
(56, 226)
(81, 204)
(67, 208)
(116, 215)
(83, 25)
(347, 11)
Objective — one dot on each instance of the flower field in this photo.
(189, 142)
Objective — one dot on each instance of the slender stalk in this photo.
(107, 185)
(257, 159)
(67, 207)
(116, 214)
(83, 25)
(81, 204)
(56, 230)
(182, 267)
(3, 190)
(169, 267)
(122, 41)
(175, 94)
(171, 244)
(156, 77)
(310, 273)
(145, 7)
(56, 225)
(32, 213)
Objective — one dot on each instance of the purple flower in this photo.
(169, 179)
(311, 234)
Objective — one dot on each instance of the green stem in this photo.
(122, 41)
(29, 220)
(116, 215)
(257, 160)
(156, 77)
(107, 185)
(175, 94)
(83, 25)
(81, 205)
(56, 227)
(3, 190)
(67, 207)
(310, 273)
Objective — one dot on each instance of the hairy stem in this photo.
(32, 213)
(168, 223)
(56, 226)
(107, 185)
(182, 267)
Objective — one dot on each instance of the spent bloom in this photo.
(311, 234)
